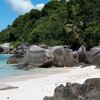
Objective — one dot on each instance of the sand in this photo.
(37, 88)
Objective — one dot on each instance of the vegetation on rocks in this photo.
(72, 22)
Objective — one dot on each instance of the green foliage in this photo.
(92, 36)
(54, 6)
(72, 22)
(16, 44)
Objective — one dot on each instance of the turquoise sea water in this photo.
(7, 70)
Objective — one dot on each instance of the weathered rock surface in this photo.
(63, 57)
(21, 49)
(14, 59)
(94, 56)
(90, 85)
(58, 56)
(7, 48)
(89, 90)
(37, 57)
(82, 54)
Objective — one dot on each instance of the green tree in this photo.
(72, 22)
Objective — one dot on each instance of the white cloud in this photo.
(39, 6)
(23, 6)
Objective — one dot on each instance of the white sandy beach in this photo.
(37, 88)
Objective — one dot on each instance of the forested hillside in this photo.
(72, 22)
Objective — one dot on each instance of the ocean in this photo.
(7, 70)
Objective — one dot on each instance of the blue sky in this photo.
(11, 9)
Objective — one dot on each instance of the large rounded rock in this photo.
(91, 89)
(37, 57)
(94, 56)
(59, 57)
(63, 57)
(93, 95)
(89, 86)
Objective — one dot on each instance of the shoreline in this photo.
(30, 75)
(38, 88)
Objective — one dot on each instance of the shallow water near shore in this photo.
(8, 71)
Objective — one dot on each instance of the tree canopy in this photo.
(60, 22)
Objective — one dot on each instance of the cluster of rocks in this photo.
(21, 49)
(59, 56)
(89, 90)
(6, 48)
(36, 56)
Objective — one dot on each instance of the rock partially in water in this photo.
(37, 57)
(14, 59)
(58, 56)
(23, 66)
